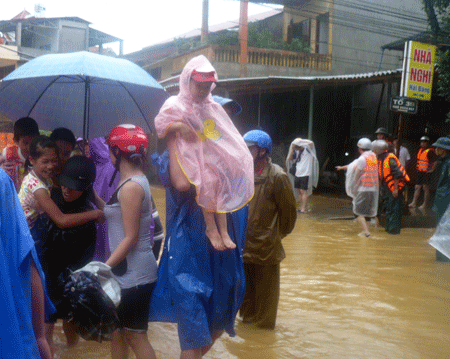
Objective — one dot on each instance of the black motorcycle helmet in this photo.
(78, 173)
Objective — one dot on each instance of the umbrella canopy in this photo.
(85, 92)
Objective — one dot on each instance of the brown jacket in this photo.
(272, 216)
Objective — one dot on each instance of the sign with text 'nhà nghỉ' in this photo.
(418, 69)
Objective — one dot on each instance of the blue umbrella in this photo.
(85, 92)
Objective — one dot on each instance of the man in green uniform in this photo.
(393, 179)
(442, 197)
(272, 216)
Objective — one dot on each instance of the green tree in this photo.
(438, 13)
(258, 37)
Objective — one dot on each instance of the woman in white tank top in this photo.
(130, 232)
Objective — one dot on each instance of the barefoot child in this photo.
(206, 150)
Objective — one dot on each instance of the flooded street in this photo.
(342, 296)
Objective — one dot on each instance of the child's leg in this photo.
(177, 176)
(222, 222)
(211, 231)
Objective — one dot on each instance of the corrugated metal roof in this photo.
(250, 84)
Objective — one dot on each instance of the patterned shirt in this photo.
(30, 205)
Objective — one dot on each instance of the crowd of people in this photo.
(220, 254)
(67, 216)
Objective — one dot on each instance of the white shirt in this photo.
(304, 166)
(404, 155)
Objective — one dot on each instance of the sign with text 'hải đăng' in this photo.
(418, 69)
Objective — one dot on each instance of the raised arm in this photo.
(65, 220)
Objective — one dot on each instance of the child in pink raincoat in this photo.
(210, 152)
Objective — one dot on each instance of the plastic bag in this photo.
(92, 311)
(104, 275)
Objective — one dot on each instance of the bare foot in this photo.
(228, 242)
(215, 239)
(422, 208)
(412, 205)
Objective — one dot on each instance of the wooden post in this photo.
(243, 37)
(399, 134)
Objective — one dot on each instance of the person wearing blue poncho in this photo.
(22, 334)
(199, 288)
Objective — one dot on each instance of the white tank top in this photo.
(139, 266)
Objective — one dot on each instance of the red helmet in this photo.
(129, 139)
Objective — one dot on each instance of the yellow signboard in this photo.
(418, 70)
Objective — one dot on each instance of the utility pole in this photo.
(205, 15)
(243, 38)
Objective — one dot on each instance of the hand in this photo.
(186, 132)
(339, 168)
(100, 216)
(395, 193)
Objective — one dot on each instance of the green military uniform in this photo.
(393, 205)
(272, 216)
(442, 197)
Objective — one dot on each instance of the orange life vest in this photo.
(384, 170)
(369, 175)
(422, 159)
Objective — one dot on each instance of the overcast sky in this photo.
(138, 23)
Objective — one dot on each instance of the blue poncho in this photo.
(16, 250)
(198, 287)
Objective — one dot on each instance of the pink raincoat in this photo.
(218, 162)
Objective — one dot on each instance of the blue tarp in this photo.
(198, 287)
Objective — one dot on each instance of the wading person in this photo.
(68, 248)
(426, 163)
(130, 231)
(361, 183)
(199, 287)
(22, 332)
(306, 176)
(272, 216)
(442, 197)
(393, 179)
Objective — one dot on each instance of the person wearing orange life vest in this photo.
(426, 164)
(393, 179)
(12, 158)
(361, 183)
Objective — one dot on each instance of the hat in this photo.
(379, 146)
(235, 108)
(364, 143)
(203, 76)
(425, 138)
(78, 173)
(382, 130)
(442, 142)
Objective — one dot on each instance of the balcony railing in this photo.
(271, 57)
(257, 56)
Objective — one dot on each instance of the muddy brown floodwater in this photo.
(342, 296)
